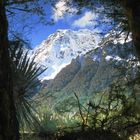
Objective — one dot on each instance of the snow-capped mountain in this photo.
(112, 64)
(61, 47)
(97, 69)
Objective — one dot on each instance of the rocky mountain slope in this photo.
(95, 70)
(61, 47)
(113, 61)
(86, 66)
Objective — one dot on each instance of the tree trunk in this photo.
(8, 122)
(132, 9)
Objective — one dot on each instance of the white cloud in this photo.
(61, 9)
(87, 20)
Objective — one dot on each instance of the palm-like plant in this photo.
(25, 80)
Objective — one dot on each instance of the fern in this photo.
(25, 79)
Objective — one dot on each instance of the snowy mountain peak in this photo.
(61, 47)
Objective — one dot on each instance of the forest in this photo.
(79, 83)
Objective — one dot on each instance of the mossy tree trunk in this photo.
(8, 121)
(132, 9)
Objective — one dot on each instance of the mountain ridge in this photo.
(61, 47)
(95, 70)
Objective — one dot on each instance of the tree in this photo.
(132, 12)
(8, 121)
(25, 83)
(9, 126)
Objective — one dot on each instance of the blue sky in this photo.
(36, 32)
(74, 22)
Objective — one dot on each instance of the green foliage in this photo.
(25, 72)
(48, 124)
(114, 109)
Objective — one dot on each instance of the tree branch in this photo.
(18, 2)
(20, 9)
(81, 114)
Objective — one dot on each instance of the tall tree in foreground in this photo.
(8, 120)
(9, 125)
(132, 12)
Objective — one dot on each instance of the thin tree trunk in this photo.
(8, 121)
(132, 9)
